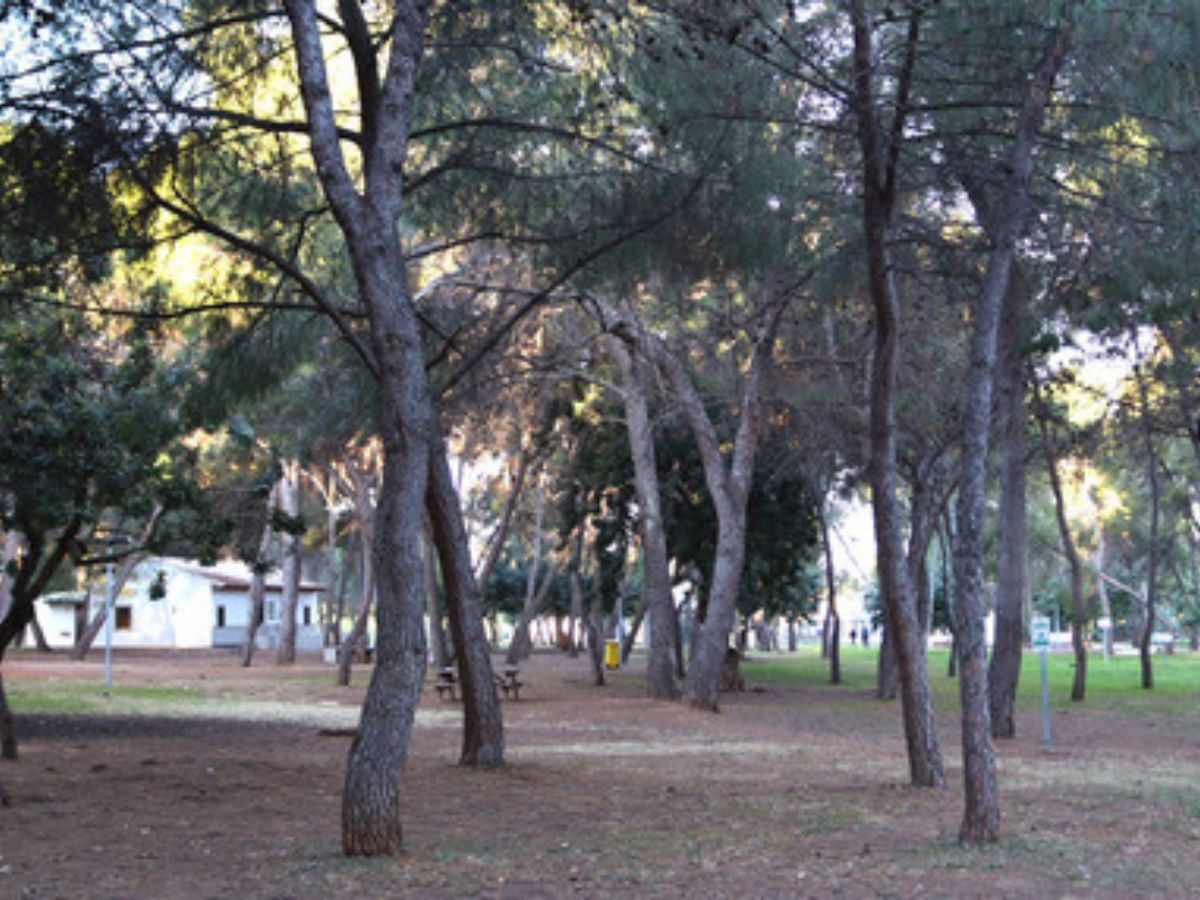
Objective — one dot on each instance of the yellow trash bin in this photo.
(612, 654)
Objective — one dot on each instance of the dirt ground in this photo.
(197, 779)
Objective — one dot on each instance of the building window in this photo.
(124, 619)
(220, 616)
(272, 614)
(307, 615)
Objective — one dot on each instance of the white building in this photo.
(175, 603)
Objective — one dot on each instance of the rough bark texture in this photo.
(8, 731)
(833, 623)
(289, 495)
(1145, 647)
(433, 606)
(368, 221)
(1102, 590)
(1004, 668)
(33, 572)
(879, 194)
(981, 817)
(522, 641)
(728, 483)
(483, 724)
(656, 583)
(89, 634)
(500, 535)
(258, 582)
(1074, 564)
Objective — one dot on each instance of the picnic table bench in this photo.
(447, 684)
(509, 683)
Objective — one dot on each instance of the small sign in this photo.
(1104, 623)
(1039, 629)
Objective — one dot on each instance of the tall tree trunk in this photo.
(522, 644)
(371, 821)
(833, 623)
(981, 817)
(289, 496)
(483, 724)
(1074, 563)
(887, 675)
(656, 584)
(1146, 647)
(30, 574)
(500, 535)
(357, 638)
(1004, 668)
(433, 608)
(8, 731)
(1102, 590)
(728, 484)
(879, 200)
(262, 565)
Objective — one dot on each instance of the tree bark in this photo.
(8, 731)
(433, 608)
(522, 642)
(1145, 647)
(656, 584)
(728, 485)
(258, 580)
(981, 817)
(289, 494)
(1074, 563)
(833, 623)
(483, 723)
(500, 535)
(123, 574)
(356, 639)
(1102, 589)
(879, 195)
(371, 822)
(1004, 668)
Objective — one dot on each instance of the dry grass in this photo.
(198, 779)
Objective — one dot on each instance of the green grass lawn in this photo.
(1116, 683)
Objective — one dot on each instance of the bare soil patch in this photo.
(202, 780)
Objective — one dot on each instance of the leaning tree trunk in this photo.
(30, 574)
(285, 653)
(656, 584)
(522, 643)
(123, 574)
(1074, 564)
(356, 640)
(483, 724)
(728, 484)
(879, 201)
(1004, 668)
